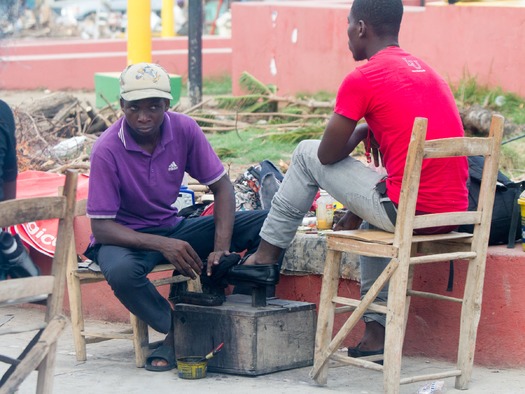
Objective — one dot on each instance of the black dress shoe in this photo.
(255, 275)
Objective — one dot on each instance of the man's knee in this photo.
(119, 269)
(307, 147)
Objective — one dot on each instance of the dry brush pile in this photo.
(56, 132)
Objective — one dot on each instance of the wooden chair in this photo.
(41, 350)
(138, 332)
(406, 250)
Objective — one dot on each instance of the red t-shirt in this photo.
(389, 92)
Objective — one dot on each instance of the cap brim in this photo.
(144, 94)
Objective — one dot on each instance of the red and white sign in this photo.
(41, 235)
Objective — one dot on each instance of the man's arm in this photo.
(224, 216)
(340, 138)
(177, 252)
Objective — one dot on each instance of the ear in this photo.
(121, 103)
(167, 103)
(362, 28)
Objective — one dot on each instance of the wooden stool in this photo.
(407, 250)
(138, 332)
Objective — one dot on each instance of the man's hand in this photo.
(374, 147)
(182, 256)
(213, 260)
(349, 221)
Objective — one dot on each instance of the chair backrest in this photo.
(40, 351)
(419, 149)
(27, 210)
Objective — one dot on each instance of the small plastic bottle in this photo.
(325, 211)
(186, 198)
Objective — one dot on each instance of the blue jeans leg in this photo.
(348, 181)
(126, 271)
(371, 268)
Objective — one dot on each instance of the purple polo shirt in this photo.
(138, 189)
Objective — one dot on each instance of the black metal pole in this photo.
(195, 51)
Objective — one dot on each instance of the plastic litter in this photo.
(436, 387)
(68, 147)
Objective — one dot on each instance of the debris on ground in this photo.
(56, 132)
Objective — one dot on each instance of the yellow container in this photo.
(192, 367)
(325, 211)
(521, 202)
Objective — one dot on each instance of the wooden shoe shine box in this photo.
(257, 341)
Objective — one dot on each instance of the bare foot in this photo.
(169, 341)
(373, 338)
(266, 254)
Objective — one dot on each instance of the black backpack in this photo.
(505, 227)
(255, 188)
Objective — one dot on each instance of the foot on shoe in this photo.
(357, 352)
(258, 274)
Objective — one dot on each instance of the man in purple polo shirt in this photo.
(137, 167)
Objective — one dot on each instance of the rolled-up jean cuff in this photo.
(377, 317)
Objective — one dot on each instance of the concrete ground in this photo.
(110, 368)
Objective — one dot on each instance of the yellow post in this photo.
(139, 32)
(168, 20)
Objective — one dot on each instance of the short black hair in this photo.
(383, 15)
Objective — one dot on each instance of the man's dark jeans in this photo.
(126, 269)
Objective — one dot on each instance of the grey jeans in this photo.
(350, 182)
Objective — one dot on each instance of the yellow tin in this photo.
(192, 367)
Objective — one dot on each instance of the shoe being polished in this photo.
(258, 274)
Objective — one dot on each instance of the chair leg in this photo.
(470, 315)
(325, 318)
(140, 340)
(75, 305)
(354, 318)
(408, 298)
(77, 316)
(44, 383)
(46, 367)
(395, 329)
(194, 285)
(41, 355)
(410, 281)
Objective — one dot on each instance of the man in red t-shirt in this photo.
(389, 92)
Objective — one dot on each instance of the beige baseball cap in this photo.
(144, 80)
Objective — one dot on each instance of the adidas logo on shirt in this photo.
(173, 166)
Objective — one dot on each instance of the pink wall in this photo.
(60, 65)
(487, 42)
